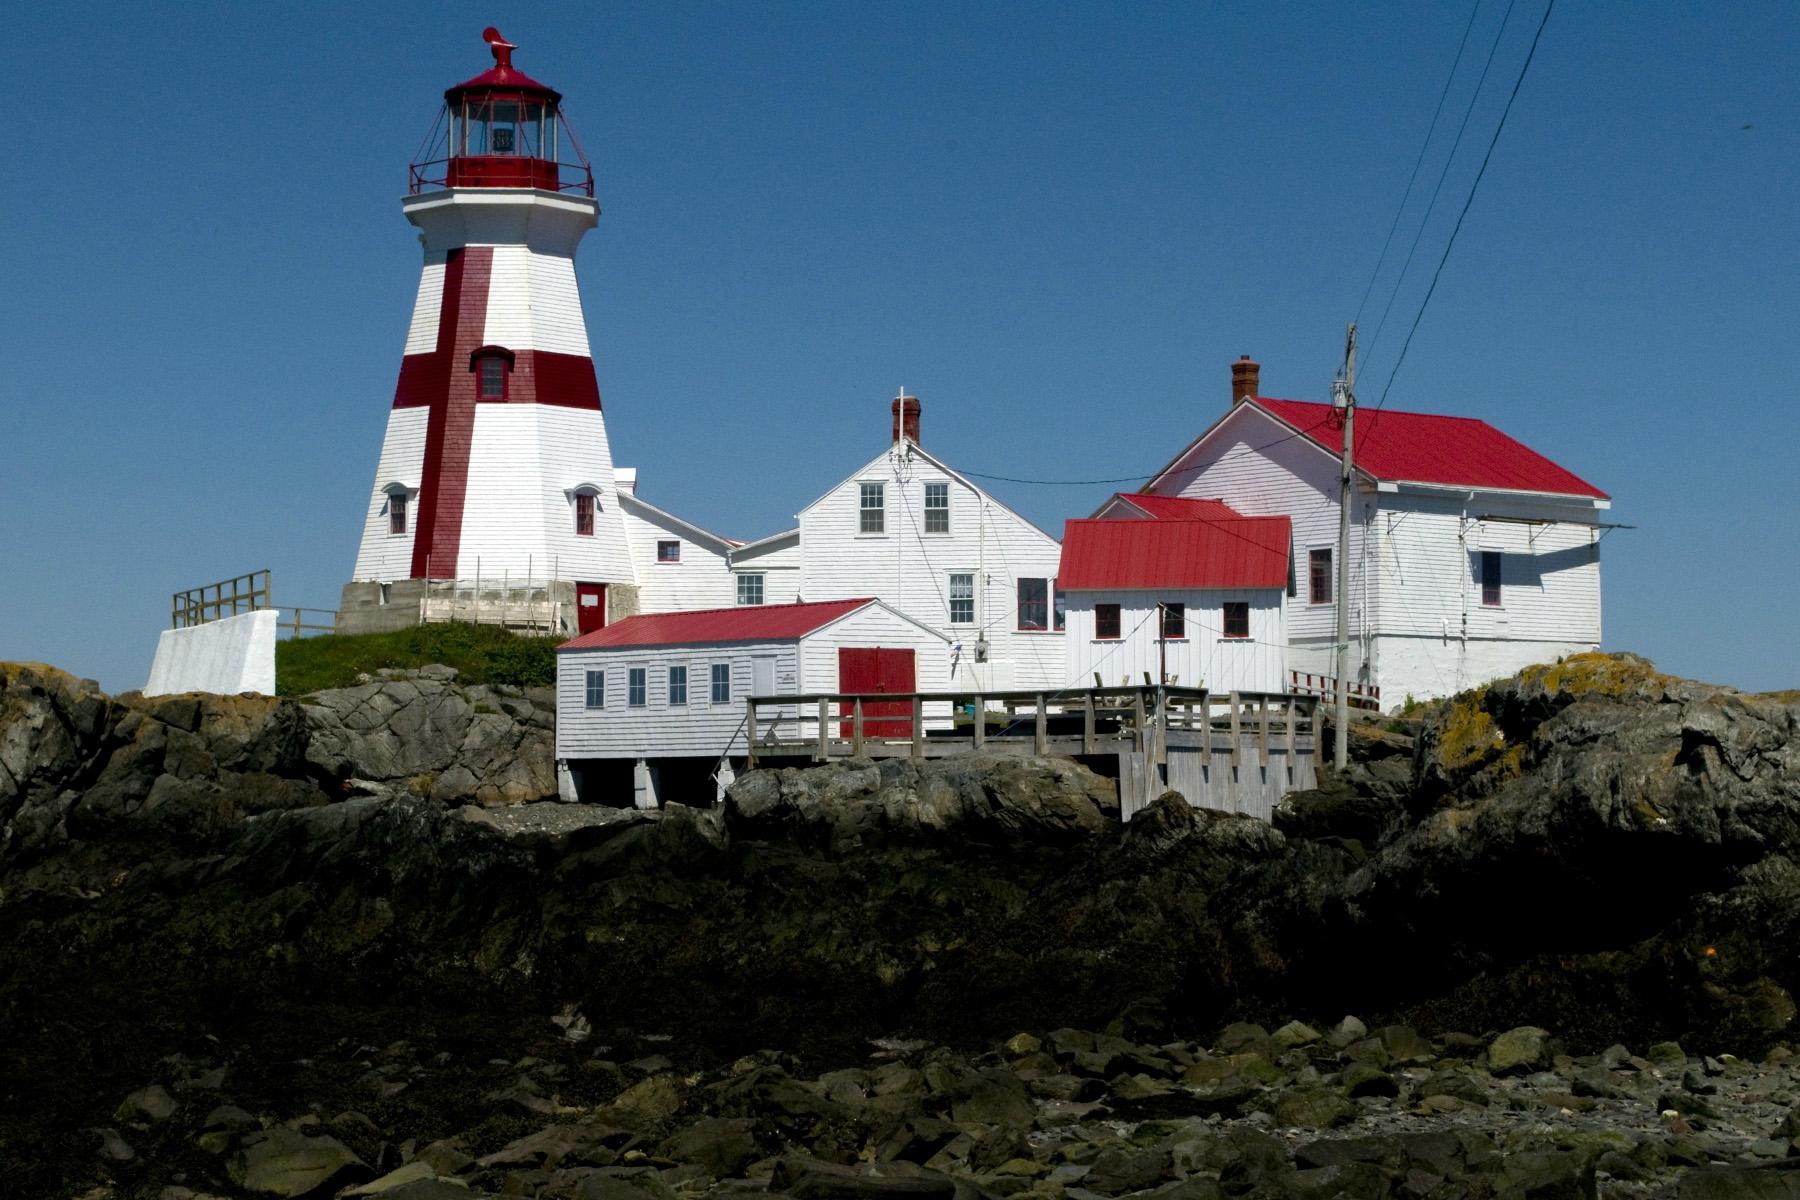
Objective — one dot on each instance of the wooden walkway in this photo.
(1233, 751)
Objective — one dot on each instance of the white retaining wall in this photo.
(228, 656)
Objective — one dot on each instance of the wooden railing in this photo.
(1071, 721)
(213, 601)
(298, 622)
(1362, 695)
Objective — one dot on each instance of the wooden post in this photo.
(1040, 728)
(856, 728)
(980, 722)
(1236, 731)
(824, 751)
(1138, 721)
(1287, 738)
(1087, 724)
(1262, 732)
(750, 731)
(918, 726)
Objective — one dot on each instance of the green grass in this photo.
(480, 654)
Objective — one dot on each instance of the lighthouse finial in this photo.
(500, 46)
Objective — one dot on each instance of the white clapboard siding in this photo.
(910, 569)
(777, 560)
(387, 556)
(873, 625)
(422, 334)
(1203, 658)
(698, 579)
(533, 302)
(657, 730)
(525, 461)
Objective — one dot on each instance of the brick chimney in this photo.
(1244, 379)
(906, 417)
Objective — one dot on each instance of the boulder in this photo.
(287, 1162)
(1525, 1048)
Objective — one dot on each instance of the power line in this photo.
(1492, 142)
(1418, 162)
(1151, 474)
(1430, 208)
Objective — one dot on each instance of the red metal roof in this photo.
(1237, 552)
(502, 76)
(751, 623)
(1427, 448)
(1165, 508)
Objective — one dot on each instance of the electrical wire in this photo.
(1450, 158)
(1492, 142)
(1430, 130)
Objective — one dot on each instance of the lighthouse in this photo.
(495, 486)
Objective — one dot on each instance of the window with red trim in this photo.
(1174, 620)
(1490, 578)
(668, 552)
(584, 514)
(1106, 622)
(491, 371)
(1318, 564)
(1034, 604)
(1237, 618)
(396, 512)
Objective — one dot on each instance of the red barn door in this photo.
(590, 607)
(874, 669)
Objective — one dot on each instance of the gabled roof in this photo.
(1238, 552)
(1171, 507)
(914, 448)
(750, 623)
(721, 543)
(1408, 447)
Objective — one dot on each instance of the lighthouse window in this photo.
(396, 512)
(491, 372)
(584, 514)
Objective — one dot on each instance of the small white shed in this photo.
(1195, 602)
(659, 699)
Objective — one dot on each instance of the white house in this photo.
(658, 700)
(1196, 602)
(908, 529)
(677, 565)
(1471, 555)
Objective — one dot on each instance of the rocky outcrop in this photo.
(420, 732)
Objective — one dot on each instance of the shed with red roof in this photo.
(1196, 601)
(654, 705)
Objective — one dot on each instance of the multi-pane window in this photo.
(1490, 578)
(396, 512)
(1319, 577)
(937, 508)
(490, 371)
(1059, 609)
(584, 514)
(1034, 604)
(668, 551)
(962, 599)
(1106, 621)
(750, 588)
(635, 690)
(1237, 619)
(872, 508)
(596, 689)
(1174, 619)
(677, 686)
(721, 683)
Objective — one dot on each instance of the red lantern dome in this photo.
(502, 129)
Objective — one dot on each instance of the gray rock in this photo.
(724, 1146)
(286, 1162)
(1122, 1169)
(147, 1106)
(1525, 1048)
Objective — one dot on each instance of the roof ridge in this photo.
(745, 608)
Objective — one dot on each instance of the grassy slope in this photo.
(480, 653)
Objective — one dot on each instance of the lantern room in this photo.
(502, 129)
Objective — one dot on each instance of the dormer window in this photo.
(492, 366)
(584, 514)
(398, 507)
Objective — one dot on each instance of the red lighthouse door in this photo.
(873, 669)
(590, 607)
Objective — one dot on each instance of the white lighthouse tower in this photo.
(495, 484)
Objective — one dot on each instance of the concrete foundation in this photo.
(228, 656)
(368, 607)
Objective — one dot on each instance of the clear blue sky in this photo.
(1055, 224)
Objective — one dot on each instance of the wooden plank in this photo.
(824, 751)
(1040, 730)
(980, 722)
(1237, 735)
(856, 728)
(750, 733)
(918, 726)
(1137, 717)
(1262, 732)
(1287, 739)
(1087, 724)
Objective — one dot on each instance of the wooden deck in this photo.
(1234, 751)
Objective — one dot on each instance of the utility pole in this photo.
(1343, 398)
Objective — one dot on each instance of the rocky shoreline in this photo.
(368, 902)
